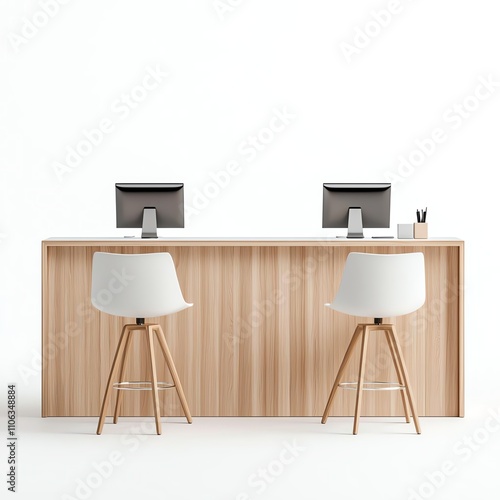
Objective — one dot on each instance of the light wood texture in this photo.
(361, 377)
(121, 377)
(173, 372)
(341, 371)
(399, 375)
(363, 331)
(258, 340)
(154, 380)
(120, 361)
(109, 387)
(406, 378)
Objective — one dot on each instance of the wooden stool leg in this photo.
(107, 394)
(398, 373)
(340, 373)
(406, 380)
(154, 381)
(173, 372)
(361, 377)
(119, 396)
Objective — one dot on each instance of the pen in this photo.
(425, 215)
(418, 215)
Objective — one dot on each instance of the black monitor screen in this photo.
(132, 199)
(373, 199)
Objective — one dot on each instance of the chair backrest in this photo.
(136, 285)
(381, 285)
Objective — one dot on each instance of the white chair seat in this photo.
(136, 285)
(381, 285)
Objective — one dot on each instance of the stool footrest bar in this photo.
(141, 386)
(373, 386)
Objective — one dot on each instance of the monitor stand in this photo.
(355, 223)
(149, 225)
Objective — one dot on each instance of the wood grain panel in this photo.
(258, 340)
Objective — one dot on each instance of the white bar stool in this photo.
(378, 286)
(140, 286)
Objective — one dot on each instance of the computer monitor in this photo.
(149, 206)
(355, 206)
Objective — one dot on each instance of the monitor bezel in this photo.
(166, 216)
(340, 219)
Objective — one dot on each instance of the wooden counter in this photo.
(258, 340)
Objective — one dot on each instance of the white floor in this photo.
(259, 458)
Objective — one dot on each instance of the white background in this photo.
(229, 70)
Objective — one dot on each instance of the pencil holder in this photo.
(420, 230)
